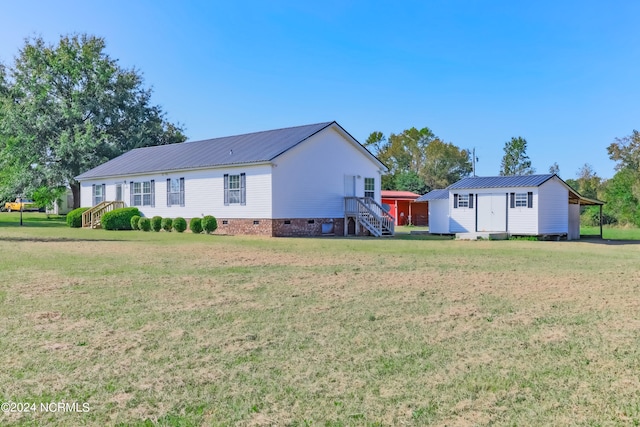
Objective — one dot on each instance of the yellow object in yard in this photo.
(21, 204)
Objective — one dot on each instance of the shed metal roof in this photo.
(257, 147)
(394, 194)
(501, 181)
(434, 195)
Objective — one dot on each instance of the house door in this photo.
(119, 192)
(349, 185)
(492, 212)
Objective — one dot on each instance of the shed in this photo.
(438, 210)
(403, 209)
(531, 205)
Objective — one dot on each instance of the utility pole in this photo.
(475, 159)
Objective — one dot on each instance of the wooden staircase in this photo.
(91, 217)
(369, 214)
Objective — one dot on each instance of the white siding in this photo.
(461, 220)
(204, 193)
(523, 220)
(520, 220)
(574, 222)
(309, 179)
(553, 209)
(439, 216)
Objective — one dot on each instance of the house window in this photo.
(175, 191)
(98, 193)
(521, 200)
(235, 192)
(143, 193)
(369, 187)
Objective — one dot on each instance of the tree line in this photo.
(68, 107)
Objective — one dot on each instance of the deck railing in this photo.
(91, 217)
(370, 214)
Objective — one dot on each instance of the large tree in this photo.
(622, 192)
(70, 107)
(418, 160)
(515, 160)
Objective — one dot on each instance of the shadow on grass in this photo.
(608, 242)
(57, 239)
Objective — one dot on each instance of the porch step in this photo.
(482, 235)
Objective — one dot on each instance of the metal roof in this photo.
(501, 181)
(258, 147)
(434, 195)
(393, 194)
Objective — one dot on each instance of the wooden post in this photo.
(601, 221)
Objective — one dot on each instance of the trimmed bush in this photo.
(144, 224)
(119, 219)
(209, 224)
(195, 225)
(156, 223)
(167, 224)
(134, 222)
(74, 218)
(179, 224)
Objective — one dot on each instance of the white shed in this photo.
(531, 205)
(438, 210)
(305, 180)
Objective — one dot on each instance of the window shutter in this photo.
(529, 199)
(181, 191)
(512, 202)
(93, 194)
(470, 201)
(153, 193)
(226, 189)
(243, 189)
(131, 193)
(168, 192)
(104, 192)
(455, 201)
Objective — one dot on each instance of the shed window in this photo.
(463, 200)
(521, 200)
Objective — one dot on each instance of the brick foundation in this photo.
(285, 227)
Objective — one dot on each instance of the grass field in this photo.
(180, 329)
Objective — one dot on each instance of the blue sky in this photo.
(562, 74)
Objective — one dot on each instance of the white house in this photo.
(305, 180)
(531, 205)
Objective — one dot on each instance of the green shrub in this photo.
(119, 219)
(179, 224)
(209, 224)
(195, 225)
(74, 218)
(156, 223)
(134, 222)
(144, 224)
(167, 224)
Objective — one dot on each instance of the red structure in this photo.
(404, 210)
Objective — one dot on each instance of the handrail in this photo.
(371, 214)
(91, 217)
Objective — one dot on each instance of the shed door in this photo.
(492, 212)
